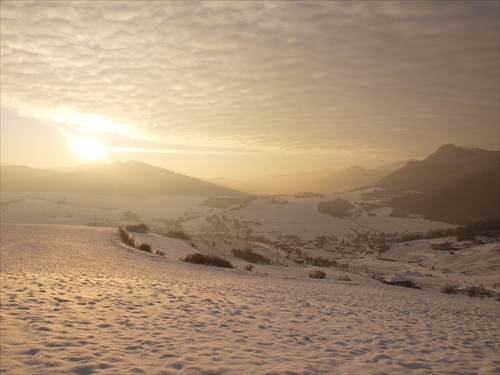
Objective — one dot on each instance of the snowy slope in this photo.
(75, 300)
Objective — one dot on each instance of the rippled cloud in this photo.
(299, 78)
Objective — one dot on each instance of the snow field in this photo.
(76, 300)
(298, 216)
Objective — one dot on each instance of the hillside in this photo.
(76, 300)
(353, 177)
(15, 174)
(323, 181)
(454, 184)
(121, 178)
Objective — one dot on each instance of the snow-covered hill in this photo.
(75, 300)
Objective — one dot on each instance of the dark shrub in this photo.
(249, 267)
(208, 260)
(449, 289)
(323, 262)
(317, 274)
(123, 233)
(250, 256)
(343, 266)
(146, 247)
(343, 278)
(475, 291)
(487, 228)
(139, 228)
(126, 238)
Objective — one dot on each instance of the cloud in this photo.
(311, 79)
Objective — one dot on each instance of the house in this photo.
(481, 240)
(399, 281)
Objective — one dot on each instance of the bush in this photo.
(126, 238)
(323, 262)
(449, 289)
(139, 228)
(343, 278)
(343, 266)
(145, 247)
(249, 267)
(208, 260)
(475, 291)
(250, 256)
(317, 274)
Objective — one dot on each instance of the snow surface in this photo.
(266, 216)
(76, 300)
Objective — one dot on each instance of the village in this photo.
(415, 263)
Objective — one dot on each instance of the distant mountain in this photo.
(13, 174)
(353, 177)
(289, 183)
(323, 181)
(392, 167)
(276, 184)
(454, 184)
(131, 178)
(237, 185)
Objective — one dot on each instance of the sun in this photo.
(87, 148)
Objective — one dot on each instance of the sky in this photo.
(248, 88)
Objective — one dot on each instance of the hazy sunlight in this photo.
(87, 148)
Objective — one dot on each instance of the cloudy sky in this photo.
(242, 89)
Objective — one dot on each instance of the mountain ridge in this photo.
(454, 184)
(130, 178)
(325, 181)
(353, 177)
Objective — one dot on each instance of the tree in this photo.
(338, 208)
(382, 246)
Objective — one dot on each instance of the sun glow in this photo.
(87, 148)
